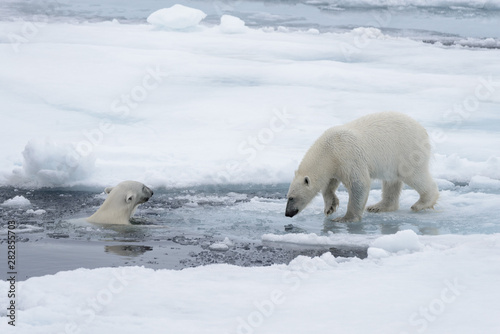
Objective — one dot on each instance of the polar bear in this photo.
(389, 146)
(121, 203)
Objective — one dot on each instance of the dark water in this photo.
(177, 228)
(174, 230)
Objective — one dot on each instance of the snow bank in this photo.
(47, 163)
(402, 241)
(17, 201)
(177, 17)
(484, 183)
(232, 25)
(451, 287)
(313, 239)
(455, 168)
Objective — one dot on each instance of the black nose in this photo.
(290, 209)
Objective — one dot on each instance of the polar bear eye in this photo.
(306, 181)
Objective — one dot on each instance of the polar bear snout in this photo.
(148, 193)
(291, 209)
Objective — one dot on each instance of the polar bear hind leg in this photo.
(390, 197)
(426, 188)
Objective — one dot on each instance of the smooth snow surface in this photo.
(244, 106)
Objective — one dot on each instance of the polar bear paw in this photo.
(419, 205)
(382, 207)
(331, 206)
(426, 202)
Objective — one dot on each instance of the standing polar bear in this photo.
(121, 203)
(388, 146)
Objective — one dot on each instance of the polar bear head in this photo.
(121, 203)
(301, 192)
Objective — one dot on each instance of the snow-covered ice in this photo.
(448, 285)
(233, 94)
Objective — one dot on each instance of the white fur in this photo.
(388, 146)
(121, 203)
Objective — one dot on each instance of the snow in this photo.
(177, 102)
(257, 99)
(17, 201)
(177, 17)
(400, 241)
(443, 287)
(48, 163)
(484, 183)
(232, 25)
(313, 239)
(219, 246)
(36, 212)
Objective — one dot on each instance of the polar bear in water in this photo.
(388, 146)
(121, 203)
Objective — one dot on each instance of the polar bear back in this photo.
(390, 143)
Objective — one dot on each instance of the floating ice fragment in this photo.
(368, 33)
(313, 31)
(17, 201)
(219, 246)
(177, 17)
(227, 242)
(36, 212)
(232, 25)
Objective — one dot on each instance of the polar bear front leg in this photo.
(358, 195)
(331, 200)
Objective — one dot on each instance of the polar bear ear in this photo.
(108, 190)
(130, 197)
(307, 181)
